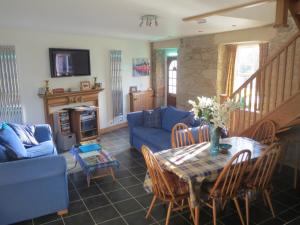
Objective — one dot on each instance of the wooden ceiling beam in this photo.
(281, 18)
(225, 10)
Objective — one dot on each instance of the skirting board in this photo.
(114, 127)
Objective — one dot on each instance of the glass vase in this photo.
(215, 133)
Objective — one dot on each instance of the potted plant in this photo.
(216, 114)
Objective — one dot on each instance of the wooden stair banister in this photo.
(268, 88)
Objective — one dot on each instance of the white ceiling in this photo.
(120, 18)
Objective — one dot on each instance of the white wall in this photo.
(33, 62)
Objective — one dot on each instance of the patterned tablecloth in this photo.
(194, 163)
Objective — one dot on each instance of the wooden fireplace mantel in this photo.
(67, 98)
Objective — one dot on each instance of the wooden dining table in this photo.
(195, 164)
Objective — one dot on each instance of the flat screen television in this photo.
(69, 62)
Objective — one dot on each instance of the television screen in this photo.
(69, 62)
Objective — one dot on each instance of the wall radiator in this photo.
(10, 104)
(116, 84)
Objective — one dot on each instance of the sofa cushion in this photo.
(152, 118)
(159, 138)
(14, 147)
(25, 133)
(3, 154)
(172, 116)
(43, 149)
(188, 120)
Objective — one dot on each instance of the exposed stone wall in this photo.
(197, 69)
(158, 75)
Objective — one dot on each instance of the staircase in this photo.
(272, 92)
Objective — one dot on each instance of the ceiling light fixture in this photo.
(148, 20)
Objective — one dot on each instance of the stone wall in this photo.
(197, 69)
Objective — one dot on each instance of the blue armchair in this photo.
(34, 186)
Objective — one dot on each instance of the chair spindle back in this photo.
(229, 180)
(265, 132)
(181, 136)
(261, 174)
(204, 135)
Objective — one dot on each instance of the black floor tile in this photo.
(137, 190)
(122, 173)
(46, 218)
(73, 196)
(56, 222)
(109, 186)
(138, 218)
(258, 215)
(118, 195)
(231, 219)
(141, 177)
(96, 201)
(288, 215)
(89, 191)
(294, 222)
(159, 212)
(79, 219)
(176, 220)
(297, 208)
(129, 181)
(75, 207)
(118, 221)
(127, 206)
(273, 221)
(145, 200)
(286, 199)
(277, 206)
(104, 213)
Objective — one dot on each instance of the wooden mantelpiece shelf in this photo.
(89, 97)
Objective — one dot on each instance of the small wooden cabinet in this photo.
(141, 100)
(85, 124)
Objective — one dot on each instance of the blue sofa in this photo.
(35, 185)
(158, 139)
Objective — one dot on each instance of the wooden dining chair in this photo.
(265, 132)
(181, 136)
(203, 134)
(259, 178)
(228, 184)
(166, 186)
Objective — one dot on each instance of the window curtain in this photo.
(116, 83)
(10, 104)
(231, 53)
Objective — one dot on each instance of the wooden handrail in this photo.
(269, 87)
(275, 55)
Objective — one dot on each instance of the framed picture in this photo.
(85, 85)
(141, 67)
(132, 89)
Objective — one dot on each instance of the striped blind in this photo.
(10, 105)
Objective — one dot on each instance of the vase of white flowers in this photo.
(216, 114)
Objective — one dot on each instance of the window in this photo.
(172, 77)
(246, 63)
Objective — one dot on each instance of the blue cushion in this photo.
(188, 120)
(25, 133)
(43, 149)
(12, 142)
(3, 154)
(158, 138)
(152, 118)
(172, 116)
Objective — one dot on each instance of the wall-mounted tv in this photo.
(69, 62)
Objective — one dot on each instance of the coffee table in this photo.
(95, 164)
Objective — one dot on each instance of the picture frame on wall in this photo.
(132, 89)
(85, 85)
(141, 67)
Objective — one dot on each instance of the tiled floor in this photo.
(125, 202)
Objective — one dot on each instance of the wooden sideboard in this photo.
(51, 101)
(141, 100)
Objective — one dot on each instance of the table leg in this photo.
(112, 173)
(196, 215)
(296, 166)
